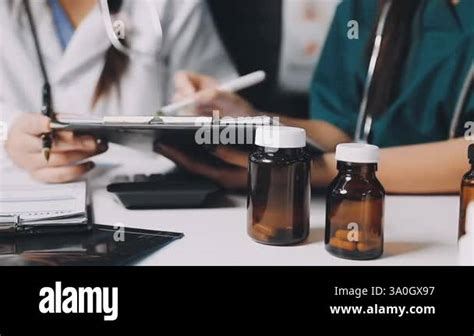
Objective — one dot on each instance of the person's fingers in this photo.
(233, 103)
(184, 84)
(66, 158)
(64, 136)
(207, 98)
(34, 124)
(230, 178)
(177, 97)
(188, 83)
(21, 159)
(202, 82)
(232, 156)
(61, 143)
(62, 174)
(207, 83)
(67, 141)
(35, 161)
(208, 101)
(228, 103)
(24, 143)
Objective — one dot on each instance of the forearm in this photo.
(417, 169)
(426, 169)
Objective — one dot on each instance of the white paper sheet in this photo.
(39, 203)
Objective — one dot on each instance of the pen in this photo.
(47, 111)
(235, 85)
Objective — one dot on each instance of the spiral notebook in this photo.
(35, 204)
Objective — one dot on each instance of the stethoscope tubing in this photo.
(466, 89)
(364, 121)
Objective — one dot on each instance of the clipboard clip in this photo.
(9, 224)
(12, 225)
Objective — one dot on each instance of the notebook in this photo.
(35, 204)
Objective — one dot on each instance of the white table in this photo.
(419, 230)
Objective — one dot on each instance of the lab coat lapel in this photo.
(89, 41)
(50, 47)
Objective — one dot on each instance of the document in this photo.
(40, 204)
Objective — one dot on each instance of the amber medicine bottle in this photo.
(355, 205)
(279, 187)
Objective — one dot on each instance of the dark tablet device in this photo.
(100, 246)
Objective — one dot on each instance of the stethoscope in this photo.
(117, 44)
(109, 25)
(365, 121)
(47, 103)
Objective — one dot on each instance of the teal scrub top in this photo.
(437, 65)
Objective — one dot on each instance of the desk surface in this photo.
(419, 230)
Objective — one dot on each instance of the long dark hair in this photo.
(393, 53)
(115, 63)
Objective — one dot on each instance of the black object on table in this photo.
(177, 189)
(100, 246)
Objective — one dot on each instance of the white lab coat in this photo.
(190, 42)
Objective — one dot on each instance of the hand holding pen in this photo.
(69, 154)
(200, 92)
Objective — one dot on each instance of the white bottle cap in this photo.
(357, 153)
(280, 137)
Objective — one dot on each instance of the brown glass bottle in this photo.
(279, 191)
(355, 205)
(467, 192)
